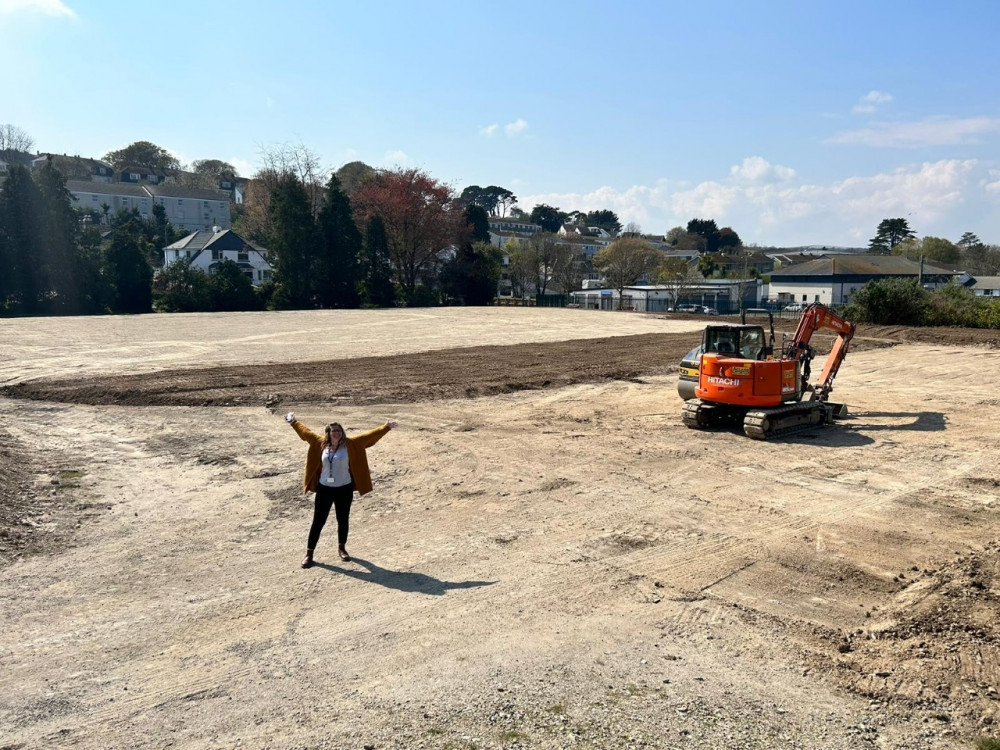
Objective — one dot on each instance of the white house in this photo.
(117, 196)
(206, 249)
(832, 279)
(186, 208)
(987, 286)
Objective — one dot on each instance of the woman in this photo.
(336, 466)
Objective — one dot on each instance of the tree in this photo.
(215, 168)
(568, 265)
(930, 248)
(890, 233)
(707, 266)
(420, 216)
(301, 161)
(59, 231)
(982, 260)
(181, 288)
(142, 154)
(522, 267)
(625, 262)
(22, 258)
(548, 217)
(477, 224)
(473, 273)
(13, 139)
(129, 271)
(293, 242)
(678, 276)
(968, 240)
(729, 239)
(605, 219)
(376, 266)
(231, 289)
(353, 174)
(494, 200)
(706, 229)
(519, 215)
(337, 274)
(673, 236)
(543, 254)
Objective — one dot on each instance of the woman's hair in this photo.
(328, 438)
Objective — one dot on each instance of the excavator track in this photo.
(699, 415)
(765, 424)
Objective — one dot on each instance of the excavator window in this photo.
(752, 343)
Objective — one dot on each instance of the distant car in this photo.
(794, 307)
(709, 311)
(689, 308)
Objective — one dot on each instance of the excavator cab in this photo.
(741, 342)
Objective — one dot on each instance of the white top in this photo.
(336, 469)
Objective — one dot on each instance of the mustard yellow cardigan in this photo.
(357, 459)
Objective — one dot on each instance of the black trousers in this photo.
(326, 497)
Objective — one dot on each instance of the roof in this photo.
(106, 188)
(987, 282)
(176, 191)
(203, 238)
(861, 265)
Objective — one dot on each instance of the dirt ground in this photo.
(549, 558)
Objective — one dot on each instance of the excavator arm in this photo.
(815, 317)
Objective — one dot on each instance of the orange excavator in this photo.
(739, 378)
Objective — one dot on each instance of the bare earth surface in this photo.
(549, 558)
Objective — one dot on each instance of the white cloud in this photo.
(243, 167)
(757, 169)
(51, 8)
(870, 101)
(516, 128)
(396, 157)
(767, 204)
(511, 129)
(933, 131)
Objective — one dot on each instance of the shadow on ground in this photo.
(400, 580)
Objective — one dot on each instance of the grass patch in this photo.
(512, 735)
(69, 475)
(987, 743)
(558, 709)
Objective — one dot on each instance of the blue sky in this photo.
(792, 122)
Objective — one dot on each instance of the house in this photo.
(192, 208)
(136, 175)
(76, 167)
(117, 196)
(513, 226)
(986, 286)
(730, 264)
(206, 249)
(832, 279)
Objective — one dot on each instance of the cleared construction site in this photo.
(550, 557)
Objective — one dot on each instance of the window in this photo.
(805, 297)
(222, 205)
(133, 176)
(217, 254)
(180, 201)
(206, 204)
(124, 201)
(243, 256)
(94, 198)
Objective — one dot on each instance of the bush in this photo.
(889, 302)
(954, 305)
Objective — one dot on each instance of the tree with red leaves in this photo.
(421, 219)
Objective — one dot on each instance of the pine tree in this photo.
(129, 272)
(337, 273)
(23, 275)
(60, 230)
(376, 286)
(292, 243)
